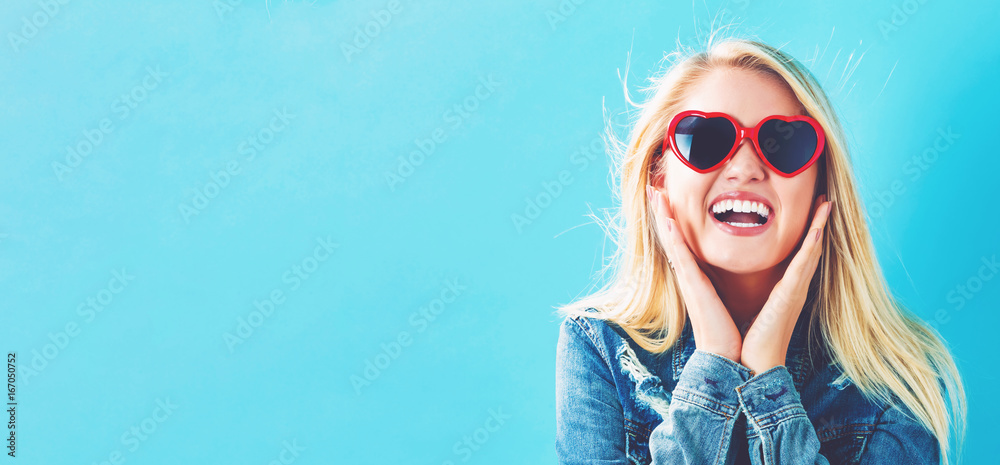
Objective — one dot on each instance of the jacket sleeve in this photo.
(704, 408)
(774, 411)
(590, 424)
(785, 435)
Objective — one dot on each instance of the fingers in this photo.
(766, 340)
(807, 258)
(822, 212)
(691, 279)
(714, 330)
(661, 217)
(678, 254)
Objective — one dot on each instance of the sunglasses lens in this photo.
(788, 146)
(704, 142)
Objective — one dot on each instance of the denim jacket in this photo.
(619, 404)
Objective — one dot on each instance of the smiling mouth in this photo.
(741, 213)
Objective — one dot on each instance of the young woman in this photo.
(747, 320)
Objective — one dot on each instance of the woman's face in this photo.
(748, 97)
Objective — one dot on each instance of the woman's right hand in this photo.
(714, 329)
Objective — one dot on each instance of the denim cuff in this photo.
(710, 381)
(770, 398)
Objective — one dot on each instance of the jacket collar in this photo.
(798, 359)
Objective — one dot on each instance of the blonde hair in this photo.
(879, 345)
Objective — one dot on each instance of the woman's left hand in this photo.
(766, 342)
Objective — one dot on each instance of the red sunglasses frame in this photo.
(743, 133)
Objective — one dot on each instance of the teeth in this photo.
(741, 206)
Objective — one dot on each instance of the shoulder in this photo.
(587, 331)
(580, 320)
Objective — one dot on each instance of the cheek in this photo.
(797, 202)
(686, 191)
(797, 219)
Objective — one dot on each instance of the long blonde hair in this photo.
(879, 345)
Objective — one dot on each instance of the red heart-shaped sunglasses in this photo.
(705, 141)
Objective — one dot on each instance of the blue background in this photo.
(223, 72)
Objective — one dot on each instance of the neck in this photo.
(744, 294)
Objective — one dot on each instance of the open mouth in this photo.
(741, 213)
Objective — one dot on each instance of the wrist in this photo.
(760, 364)
(727, 349)
(729, 354)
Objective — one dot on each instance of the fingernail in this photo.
(818, 231)
(670, 225)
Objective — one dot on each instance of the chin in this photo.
(739, 261)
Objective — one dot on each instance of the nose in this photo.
(745, 166)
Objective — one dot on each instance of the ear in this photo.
(656, 180)
(657, 172)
